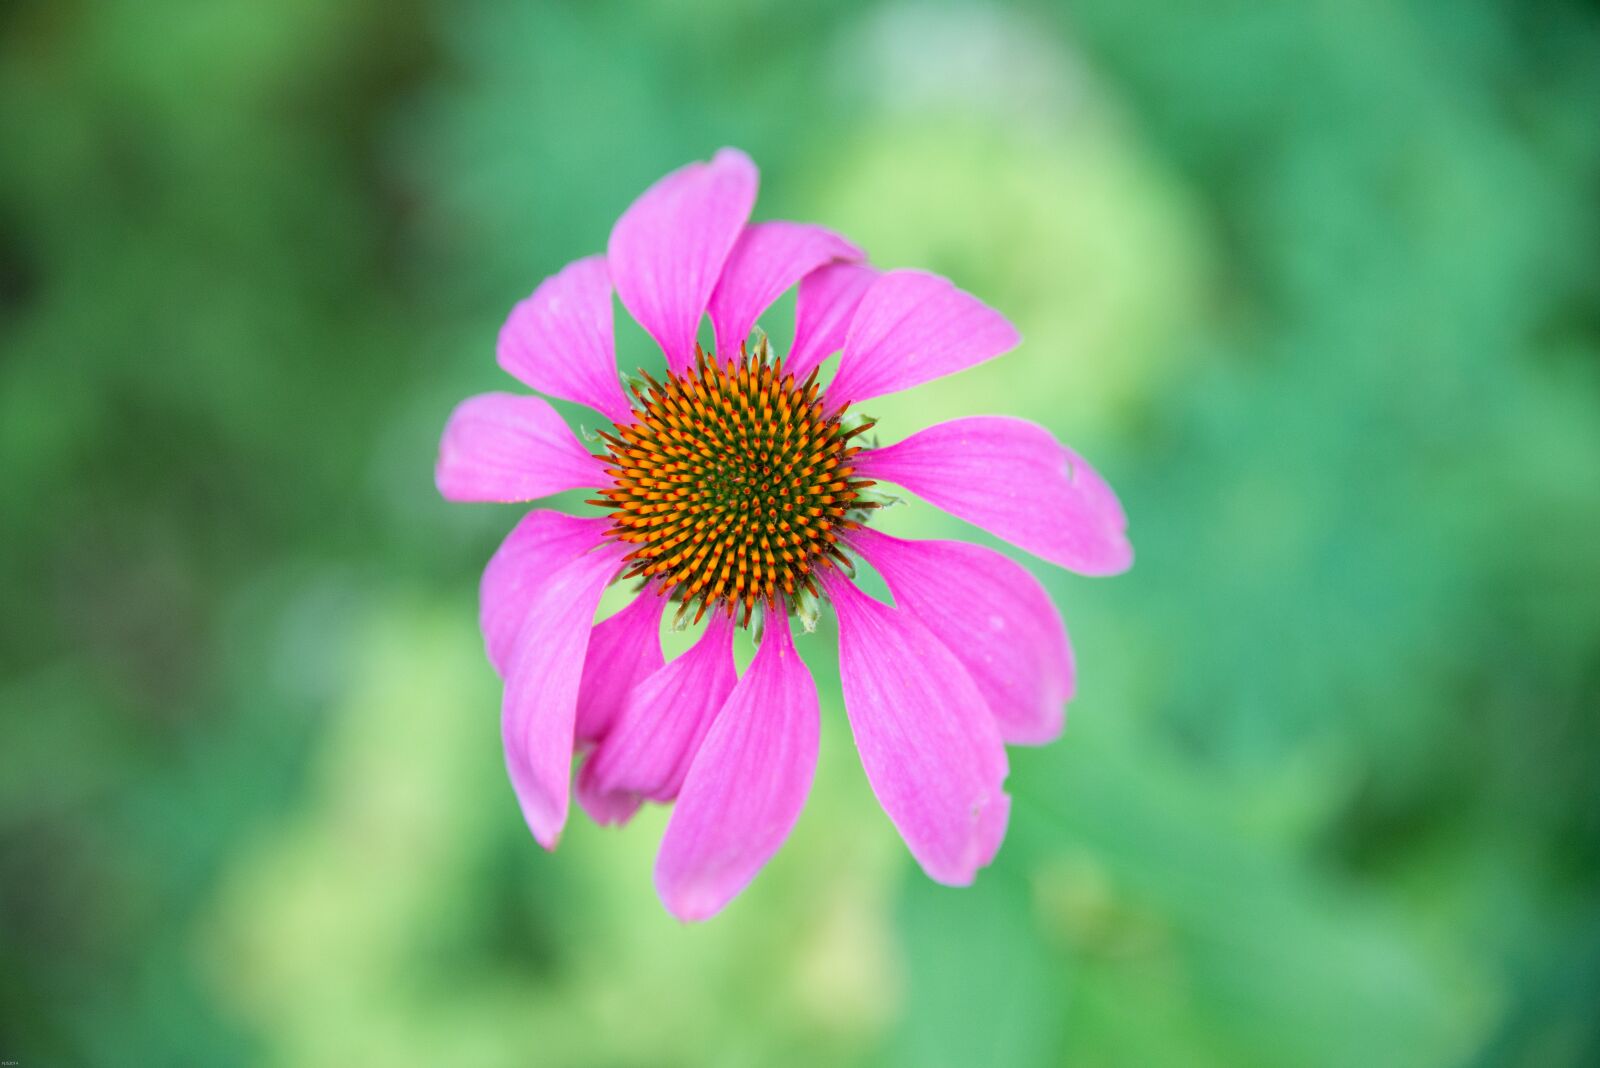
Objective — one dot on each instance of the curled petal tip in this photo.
(691, 905)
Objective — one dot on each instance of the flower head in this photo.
(734, 487)
(730, 482)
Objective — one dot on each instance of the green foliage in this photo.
(1314, 285)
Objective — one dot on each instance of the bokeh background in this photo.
(1316, 285)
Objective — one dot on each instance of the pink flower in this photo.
(733, 485)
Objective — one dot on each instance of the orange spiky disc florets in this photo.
(730, 482)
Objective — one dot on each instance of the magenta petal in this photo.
(540, 705)
(500, 447)
(826, 303)
(1012, 478)
(649, 748)
(768, 258)
(912, 327)
(559, 340)
(667, 251)
(931, 750)
(995, 618)
(606, 809)
(747, 784)
(540, 545)
(624, 650)
(1096, 490)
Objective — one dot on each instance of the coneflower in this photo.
(735, 487)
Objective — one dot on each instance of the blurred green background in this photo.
(1316, 285)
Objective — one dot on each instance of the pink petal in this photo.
(995, 618)
(768, 258)
(1012, 478)
(500, 447)
(746, 786)
(559, 341)
(649, 748)
(539, 546)
(667, 251)
(913, 327)
(930, 748)
(624, 650)
(823, 309)
(541, 693)
(606, 809)
(1096, 490)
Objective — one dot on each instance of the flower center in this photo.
(730, 482)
